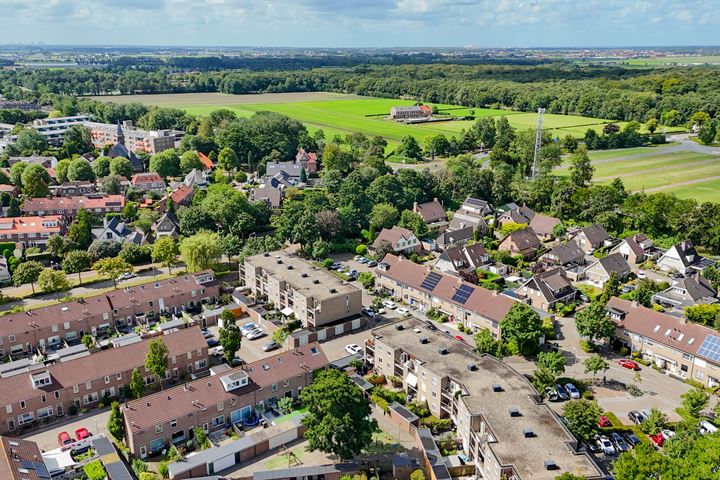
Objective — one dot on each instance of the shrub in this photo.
(380, 402)
(417, 475)
(84, 410)
(327, 263)
(634, 390)
(148, 476)
(377, 380)
(94, 470)
(588, 395)
(139, 466)
(163, 469)
(587, 347)
(624, 351)
(72, 410)
(361, 249)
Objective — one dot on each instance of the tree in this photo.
(511, 227)
(228, 159)
(80, 231)
(201, 251)
(652, 125)
(104, 249)
(193, 219)
(485, 342)
(384, 215)
(61, 170)
(654, 423)
(27, 272)
(552, 361)
(166, 163)
(641, 462)
(708, 132)
(367, 280)
(695, 401)
(699, 119)
(76, 140)
(522, 325)
(595, 364)
(189, 161)
(581, 168)
(417, 475)
(136, 388)
(336, 159)
(51, 281)
(113, 268)
(133, 253)
(101, 167)
(35, 180)
(122, 167)
(582, 416)
(87, 340)
(56, 245)
(111, 185)
(569, 476)
(156, 359)
(230, 336)
(165, 251)
(543, 378)
(80, 169)
(338, 419)
(30, 142)
(116, 425)
(611, 289)
(77, 261)
(409, 147)
(594, 322)
(413, 222)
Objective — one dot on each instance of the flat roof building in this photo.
(316, 296)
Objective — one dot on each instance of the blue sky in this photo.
(363, 23)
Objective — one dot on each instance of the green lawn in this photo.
(702, 192)
(278, 461)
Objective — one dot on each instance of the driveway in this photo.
(95, 422)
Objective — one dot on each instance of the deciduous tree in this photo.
(165, 251)
(121, 166)
(595, 364)
(201, 251)
(77, 261)
(695, 401)
(112, 268)
(522, 325)
(582, 416)
(51, 281)
(230, 336)
(27, 272)
(594, 322)
(552, 361)
(116, 425)
(156, 359)
(166, 163)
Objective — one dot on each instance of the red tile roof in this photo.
(149, 177)
(22, 225)
(89, 202)
(207, 163)
(393, 235)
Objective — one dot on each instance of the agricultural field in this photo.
(674, 60)
(668, 168)
(341, 114)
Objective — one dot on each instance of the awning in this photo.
(411, 380)
(287, 311)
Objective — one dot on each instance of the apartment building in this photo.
(31, 231)
(505, 428)
(99, 203)
(316, 296)
(53, 129)
(21, 460)
(135, 139)
(63, 324)
(226, 397)
(684, 349)
(423, 288)
(36, 393)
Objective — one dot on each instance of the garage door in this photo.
(339, 329)
(321, 335)
(223, 463)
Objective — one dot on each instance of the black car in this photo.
(632, 440)
(212, 342)
(430, 325)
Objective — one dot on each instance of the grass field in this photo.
(665, 168)
(341, 114)
(675, 60)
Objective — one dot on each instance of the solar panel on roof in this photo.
(462, 294)
(710, 348)
(431, 281)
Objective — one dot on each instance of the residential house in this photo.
(292, 169)
(545, 290)
(504, 428)
(544, 225)
(115, 228)
(432, 213)
(521, 242)
(280, 180)
(148, 182)
(599, 272)
(637, 249)
(31, 231)
(307, 160)
(98, 203)
(273, 196)
(180, 197)
(227, 397)
(471, 213)
(421, 287)
(413, 112)
(196, 179)
(683, 258)
(73, 189)
(208, 164)
(591, 238)
(450, 238)
(567, 254)
(11, 190)
(462, 259)
(21, 460)
(167, 226)
(39, 392)
(4, 271)
(684, 349)
(315, 296)
(516, 215)
(686, 292)
(400, 239)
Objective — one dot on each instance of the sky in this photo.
(362, 23)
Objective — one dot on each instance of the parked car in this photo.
(363, 260)
(619, 442)
(629, 364)
(82, 433)
(372, 263)
(357, 257)
(206, 333)
(430, 325)
(572, 390)
(403, 311)
(255, 334)
(212, 342)
(335, 266)
(593, 446)
(353, 348)
(562, 393)
(64, 438)
(668, 434)
(237, 362)
(218, 351)
(641, 274)
(368, 311)
(127, 276)
(604, 422)
(551, 394)
(657, 439)
(645, 414)
(389, 304)
(245, 329)
(606, 445)
(632, 440)
(635, 417)
(707, 427)
(270, 346)
(459, 337)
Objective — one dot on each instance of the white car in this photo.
(668, 434)
(368, 311)
(403, 311)
(255, 334)
(606, 446)
(572, 390)
(641, 274)
(218, 351)
(247, 328)
(389, 304)
(353, 348)
(707, 427)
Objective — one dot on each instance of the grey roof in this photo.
(595, 234)
(615, 263)
(524, 238)
(115, 468)
(465, 257)
(476, 203)
(118, 226)
(566, 253)
(552, 285)
(292, 169)
(279, 179)
(307, 471)
(120, 150)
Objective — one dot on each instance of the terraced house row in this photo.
(65, 324)
(38, 391)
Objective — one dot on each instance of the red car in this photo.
(64, 438)
(459, 337)
(82, 433)
(629, 364)
(657, 439)
(604, 422)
